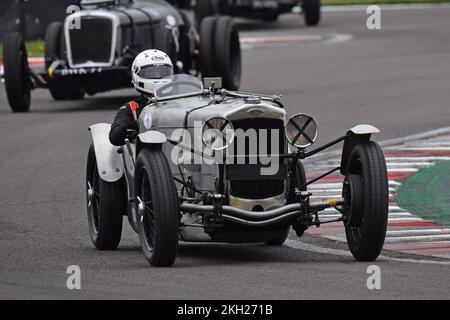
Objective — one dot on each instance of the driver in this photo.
(148, 68)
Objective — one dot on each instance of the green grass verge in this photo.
(34, 49)
(426, 193)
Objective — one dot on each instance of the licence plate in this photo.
(264, 4)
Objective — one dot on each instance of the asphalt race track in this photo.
(396, 78)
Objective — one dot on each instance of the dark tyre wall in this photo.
(31, 17)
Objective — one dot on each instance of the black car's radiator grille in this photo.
(92, 42)
(246, 180)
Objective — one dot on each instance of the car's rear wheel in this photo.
(228, 53)
(220, 51)
(157, 204)
(54, 50)
(166, 43)
(106, 205)
(16, 73)
(366, 197)
(311, 12)
(206, 8)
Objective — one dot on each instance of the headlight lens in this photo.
(217, 133)
(301, 130)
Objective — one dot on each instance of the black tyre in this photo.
(207, 46)
(106, 205)
(159, 215)
(300, 179)
(228, 53)
(205, 8)
(166, 43)
(311, 12)
(52, 43)
(366, 193)
(185, 46)
(54, 50)
(16, 73)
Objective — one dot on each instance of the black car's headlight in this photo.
(301, 130)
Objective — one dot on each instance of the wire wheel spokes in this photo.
(148, 217)
(94, 199)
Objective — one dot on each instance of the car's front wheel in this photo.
(106, 205)
(16, 73)
(157, 204)
(366, 197)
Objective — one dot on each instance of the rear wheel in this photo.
(228, 53)
(166, 43)
(16, 73)
(207, 47)
(311, 12)
(206, 8)
(366, 197)
(106, 204)
(220, 51)
(157, 204)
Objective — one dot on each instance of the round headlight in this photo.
(301, 130)
(217, 133)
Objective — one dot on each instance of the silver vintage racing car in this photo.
(214, 165)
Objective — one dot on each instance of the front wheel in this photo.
(366, 197)
(157, 204)
(106, 204)
(16, 73)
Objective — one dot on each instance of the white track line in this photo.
(294, 244)
(425, 158)
(394, 233)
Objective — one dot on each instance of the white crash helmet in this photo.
(148, 68)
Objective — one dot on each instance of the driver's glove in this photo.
(132, 129)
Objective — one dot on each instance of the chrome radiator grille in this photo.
(245, 177)
(92, 43)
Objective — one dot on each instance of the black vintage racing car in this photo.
(267, 10)
(93, 49)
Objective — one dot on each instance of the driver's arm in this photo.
(122, 126)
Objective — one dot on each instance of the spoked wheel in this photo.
(17, 78)
(106, 204)
(157, 204)
(220, 51)
(300, 179)
(366, 197)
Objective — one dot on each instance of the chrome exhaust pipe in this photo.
(261, 217)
